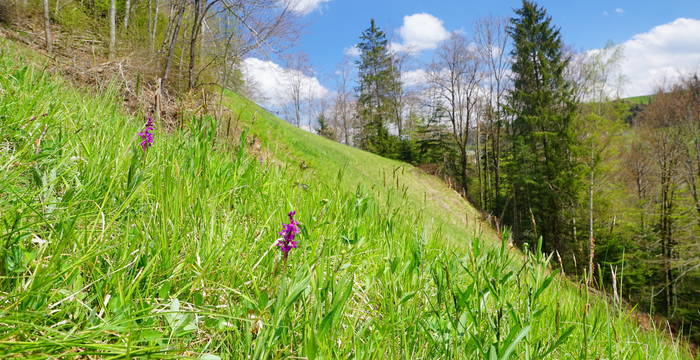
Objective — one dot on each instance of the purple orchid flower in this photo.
(146, 135)
(288, 233)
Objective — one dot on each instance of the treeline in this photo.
(174, 46)
(655, 222)
(536, 137)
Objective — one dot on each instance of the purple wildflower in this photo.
(146, 135)
(288, 233)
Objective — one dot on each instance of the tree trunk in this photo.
(196, 28)
(150, 22)
(155, 27)
(346, 127)
(172, 15)
(297, 112)
(171, 47)
(666, 224)
(479, 173)
(47, 27)
(112, 28)
(497, 166)
(591, 238)
(463, 170)
(127, 11)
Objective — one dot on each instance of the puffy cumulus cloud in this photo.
(660, 56)
(414, 78)
(352, 51)
(303, 7)
(271, 82)
(420, 32)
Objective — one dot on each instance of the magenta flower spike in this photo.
(288, 233)
(146, 135)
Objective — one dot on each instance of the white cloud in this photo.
(272, 82)
(420, 32)
(352, 51)
(618, 11)
(397, 47)
(660, 55)
(303, 7)
(414, 77)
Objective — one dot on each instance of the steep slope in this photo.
(327, 159)
(442, 206)
(110, 251)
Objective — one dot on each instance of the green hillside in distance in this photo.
(639, 100)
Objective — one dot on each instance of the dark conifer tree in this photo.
(378, 81)
(542, 174)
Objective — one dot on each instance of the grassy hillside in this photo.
(326, 159)
(109, 251)
(639, 100)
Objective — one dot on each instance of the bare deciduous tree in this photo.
(491, 40)
(262, 25)
(298, 69)
(399, 93)
(457, 76)
(597, 125)
(201, 8)
(343, 108)
(690, 126)
(659, 126)
(176, 20)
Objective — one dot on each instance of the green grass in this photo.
(386, 178)
(111, 252)
(639, 100)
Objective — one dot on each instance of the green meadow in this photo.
(109, 251)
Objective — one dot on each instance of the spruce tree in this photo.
(433, 141)
(378, 81)
(541, 171)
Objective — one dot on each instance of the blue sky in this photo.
(659, 36)
(337, 24)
